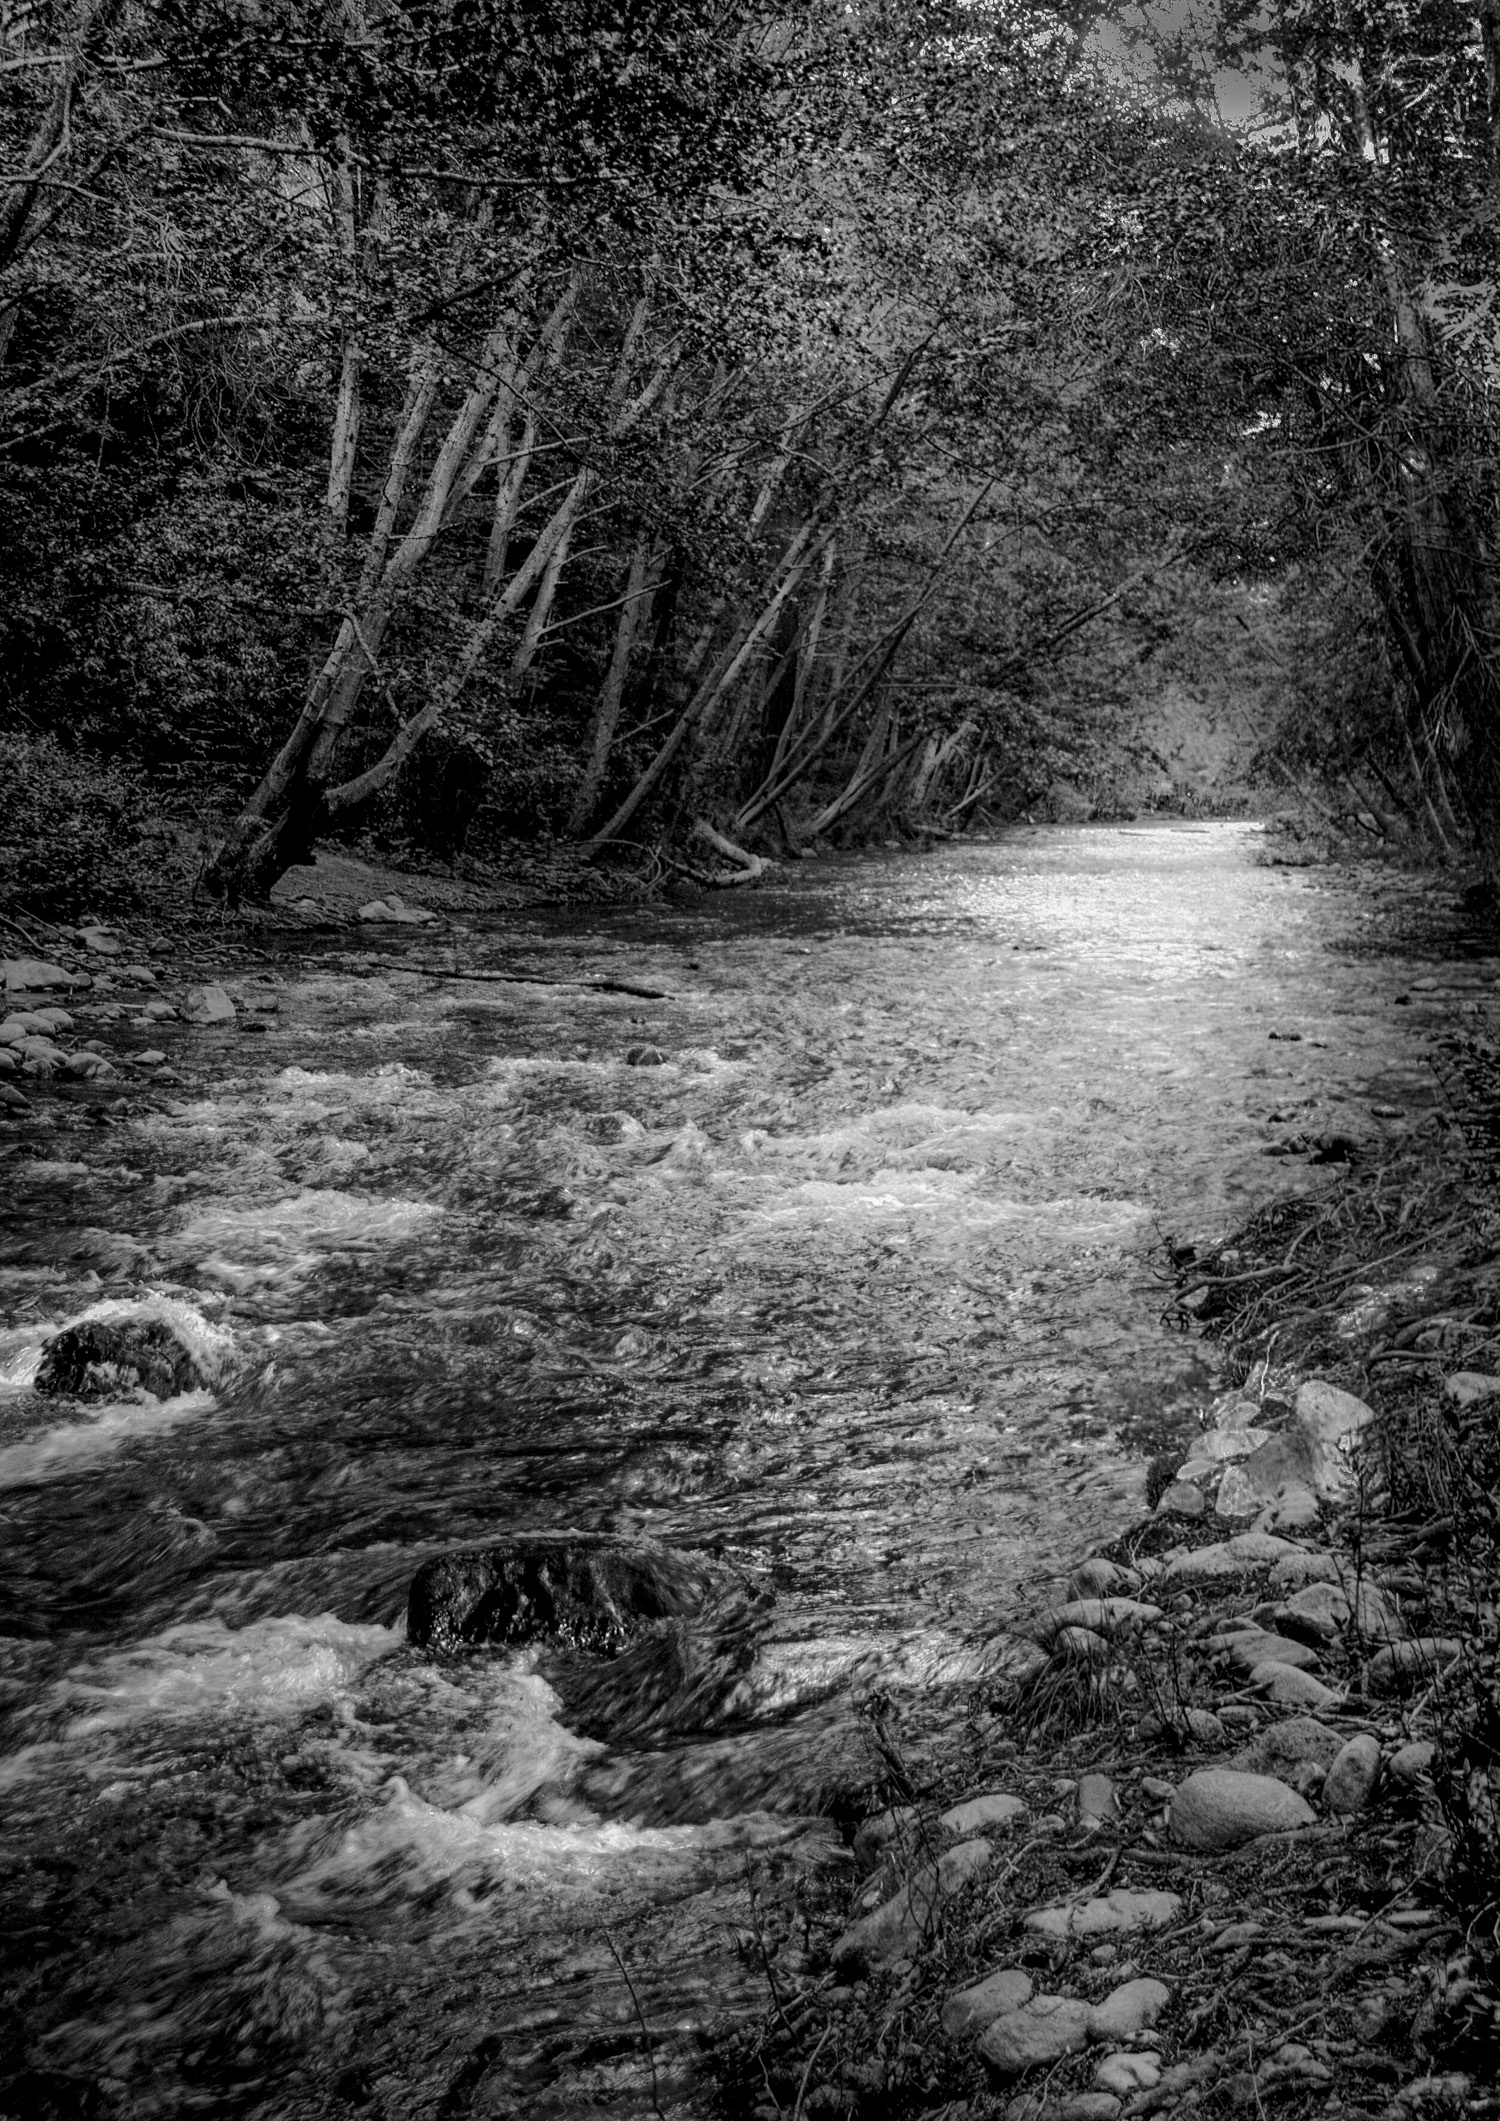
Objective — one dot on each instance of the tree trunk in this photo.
(612, 691)
(793, 565)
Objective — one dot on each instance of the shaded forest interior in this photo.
(700, 432)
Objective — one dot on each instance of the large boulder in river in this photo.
(123, 1347)
(586, 1591)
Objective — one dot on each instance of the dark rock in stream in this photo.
(588, 1592)
(103, 1358)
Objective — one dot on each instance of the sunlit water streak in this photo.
(860, 1289)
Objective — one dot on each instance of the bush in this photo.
(73, 832)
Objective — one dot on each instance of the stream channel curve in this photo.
(836, 1273)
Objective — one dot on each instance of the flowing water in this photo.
(836, 1254)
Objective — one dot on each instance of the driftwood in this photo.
(540, 979)
(752, 866)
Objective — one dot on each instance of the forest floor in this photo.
(1227, 1838)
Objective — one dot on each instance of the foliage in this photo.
(76, 835)
(828, 423)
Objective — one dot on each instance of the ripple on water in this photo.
(857, 1289)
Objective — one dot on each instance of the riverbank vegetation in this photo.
(696, 434)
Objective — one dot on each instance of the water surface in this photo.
(842, 1261)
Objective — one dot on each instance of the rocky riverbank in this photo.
(1228, 1839)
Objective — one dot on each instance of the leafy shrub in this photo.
(73, 831)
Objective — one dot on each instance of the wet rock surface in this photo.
(100, 1359)
(592, 1594)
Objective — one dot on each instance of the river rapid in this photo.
(837, 1255)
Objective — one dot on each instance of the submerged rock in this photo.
(589, 1592)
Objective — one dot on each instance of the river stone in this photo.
(1221, 1446)
(1351, 1780)
(207, 1005)
(898, 1929)
(1101, 1616)
(1096, 1800)
(1128, 2010)
(1281, 1463)
(1296, 1509)
(588, 1591)
(1133, 2070)
(1072, 2106)
(1252, 1646)
(1240, 1556)
(984, 1814)
(1219, 1808)
(1467, 1387)
(1323, 1610)
(1042, 2031)
(1316, 1614)
(24, 975)
(1080, 1646)
(1304, 1565)
(1098, 1578)
(1410, 1763)
(1280, 1749)
(1181, 1499)
(1403, 1667)
(1327, 1416)
(394, 908)
(1291, 1688)
(115, 1358)
(875, 1835)
(1118, 1913)
(970, 2010)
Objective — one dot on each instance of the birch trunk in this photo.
(607, 707)
(792, 567)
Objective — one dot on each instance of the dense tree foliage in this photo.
(696, 425)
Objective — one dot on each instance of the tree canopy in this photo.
(720, 429)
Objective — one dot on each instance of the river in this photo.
(836, 1254)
